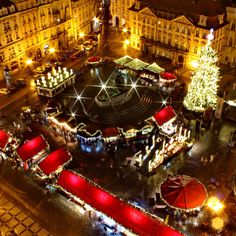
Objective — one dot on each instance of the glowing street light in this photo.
(194, 64)
(95, 19)
(214, 204)
(29, 61)
(124, 30)
(51, 50)
(217, 223)
(127, 42)
(134, 85)
(81, 35)
(103, 86)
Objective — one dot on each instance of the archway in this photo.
(38, 54)
(181, 60)
(116, 21)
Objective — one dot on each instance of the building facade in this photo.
(29, 28)
(175, 30)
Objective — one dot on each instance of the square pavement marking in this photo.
(3, 229)
(27, 222)
(26, 233)
(15, 211)
(19, 228)
(21, 216)
(35, 227)
(6, 217)
(8, 206)
(3, 201)
(43, 232)
(12, 223)
(2, 212)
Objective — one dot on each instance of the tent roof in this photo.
(54, 161)
(3, 139)
(123, 60)
(128, 216)
(110, 132)
(164, 115)
(154, 68)
(32, 148)
(136, 64)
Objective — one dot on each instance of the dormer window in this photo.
(202, 20)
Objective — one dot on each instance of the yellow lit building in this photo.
(29, 29)
(229, 53)
(174, 29)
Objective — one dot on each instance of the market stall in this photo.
(123, 60)
(94, 60)
(136, 64)
(4, 139)
(54, 162)
(183, 192)
(164, 119)
(90, 139)
(33, 150)
(54, 83)
(111, 135)
(134, 219)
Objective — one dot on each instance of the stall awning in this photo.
(123, 60)
(154, 68)
(136, 64)
(110, 132)
(164, 115)
(3, 139)
(128, 216)
(32, 148)
(54, 161)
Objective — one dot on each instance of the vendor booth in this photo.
(54, 163)
(164, 119)
(132, 218)
(32, 151)
(123, 60)
(4, 139)
(111, 135)
(55, 82)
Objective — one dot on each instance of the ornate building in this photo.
(229, 52)
(172, 29)
(29, 28)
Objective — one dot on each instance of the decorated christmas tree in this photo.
(202, 90)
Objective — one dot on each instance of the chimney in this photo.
(137, 5)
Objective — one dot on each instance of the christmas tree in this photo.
(202, 90)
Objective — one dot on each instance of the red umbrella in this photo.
(183, 192)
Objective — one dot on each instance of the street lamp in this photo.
(29, 62)
(127, 42)
(214, 204)
(124, 30)
(81, 34)
(51, 50)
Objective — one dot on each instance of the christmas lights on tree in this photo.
(202, 91)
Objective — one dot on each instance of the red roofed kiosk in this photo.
(111, 134)
(53, 162)
(164, 119)
(4, 137)
(32, 149)
(130, 217)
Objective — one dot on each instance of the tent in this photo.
(32, 148)
(136, 64)
(3, 139)
(127, 215)
(164, 115)
(110, 132)
(154, 68)
(183, 192)
(123, 60)
(54, 161)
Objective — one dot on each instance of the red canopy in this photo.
(3, 139)
(110, 132)
(52, 162)
(125, 214)
(183, 192)
(168, 76)
(164, 115)
(94, 59)
(32, 148)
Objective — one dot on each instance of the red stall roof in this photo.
(164, 115)
(32, 148)
(53, 161)
(128, 216)
(110, 132)
(3, 139)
